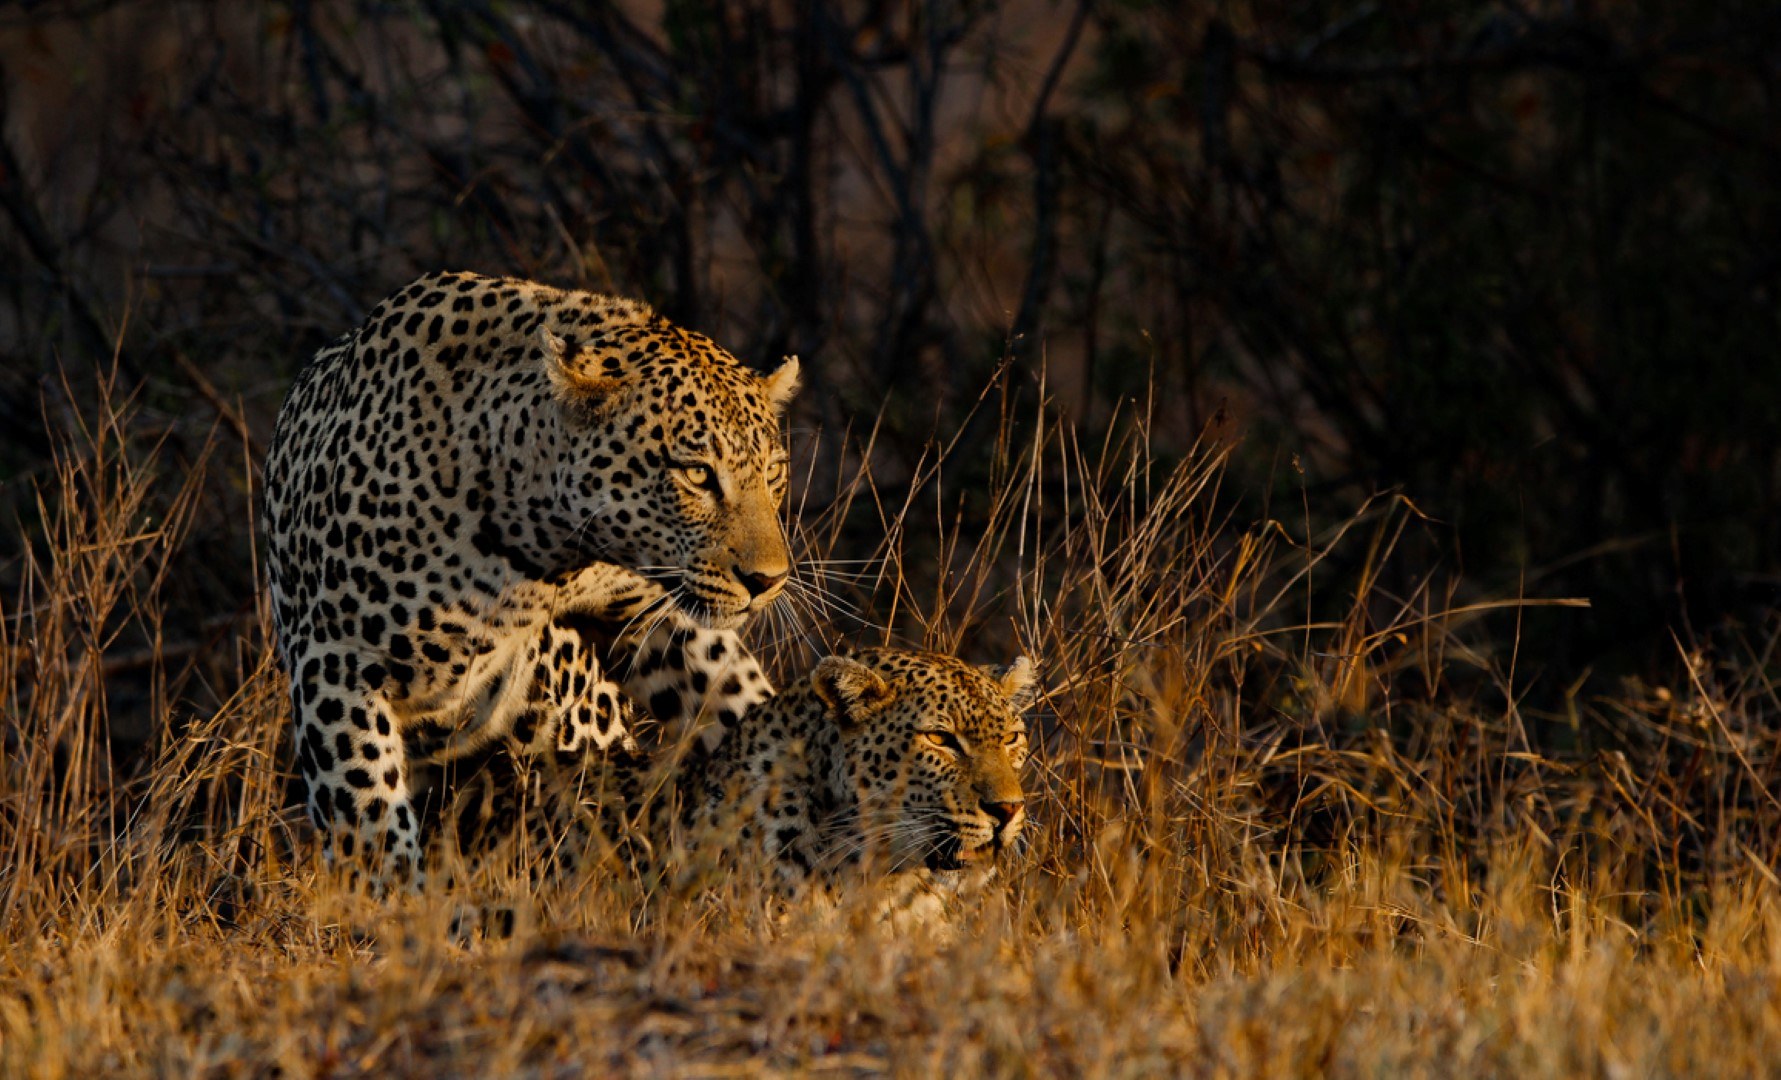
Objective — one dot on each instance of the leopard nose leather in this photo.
(756, 584)
(1003, 812)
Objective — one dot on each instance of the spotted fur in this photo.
(487, 509)
(905, 762)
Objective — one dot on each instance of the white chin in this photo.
(713, 617)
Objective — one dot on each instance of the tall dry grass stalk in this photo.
(1281, 826)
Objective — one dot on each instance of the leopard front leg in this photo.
(698, 681)
(692, 679)
(568, 780)
(354, 769)
(540, 699)
(554, 714)
(572, 707)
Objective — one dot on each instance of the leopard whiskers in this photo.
(920, 839)
(655, 611)
(848, 824)
(642, 612)
(812, 602)
(785, 627)
(826, 604)
(795, 609)
(868, 570)
(666, 610)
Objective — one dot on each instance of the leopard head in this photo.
(672, 464)
(931, 753)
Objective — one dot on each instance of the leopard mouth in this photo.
(939, 860)
(709, 612)
(714, 610)
(952, 853)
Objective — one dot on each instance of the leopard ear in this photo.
(851, 690)
(1019, 682)
(782, 384)
(575, 385)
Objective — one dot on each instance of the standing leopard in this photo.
(907, 763)
(480, 497)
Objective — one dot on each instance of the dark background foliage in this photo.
(1519, 261)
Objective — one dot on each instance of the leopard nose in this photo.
(1003, 812)
(757, 583)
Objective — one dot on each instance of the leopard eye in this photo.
(1015, 738)
(775, 474)
(944, 740)
(701, 476)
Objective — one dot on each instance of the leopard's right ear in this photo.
(851, 690)
(783, 383)
(580, 381)
(1019, 682)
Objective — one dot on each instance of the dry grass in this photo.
(1282, 826)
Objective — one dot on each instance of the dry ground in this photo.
(1287, 821)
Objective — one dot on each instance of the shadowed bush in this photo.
(1515, 261)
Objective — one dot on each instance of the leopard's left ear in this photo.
(575, 386)
(851, 690)
(1019, 682)
(782, 384)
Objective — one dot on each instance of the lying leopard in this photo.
(478, 505)
(904, 762)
